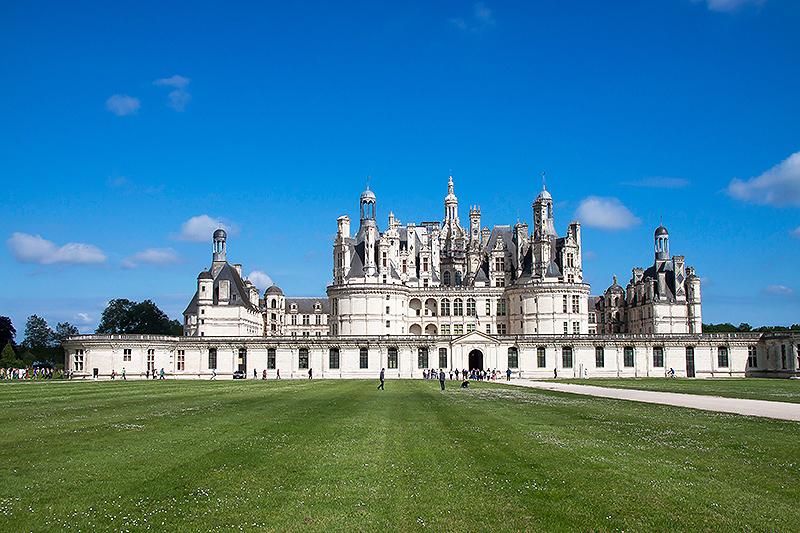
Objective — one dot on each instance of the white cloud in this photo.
(588, 255)
(34, 249)
(605, 213)
(152, 256)
(260, 279)
(779, 186)
(796, 233)
(482, 19)
(658, 182)
(706, 281)
(122, 104)
(179, 97)
(779, 290)
(729, 5)
(201, 229)
(82, 318)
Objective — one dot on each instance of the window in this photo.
(442, 357)
(181, 360)
(501, 307)
(722, 356)
(471, 307)
(445, 330)
(458, 307)
(302, 358)
(424, 264)
(333, 358)
(592, 318)
(387, 310)
(404, 266)
(599, 357)
(566, 328)
(566, 356)
(570, 278)
(392, 359)
(783, 357)
(306, 321)
(570, 260)
(658, 356)
(271, 358)
(294, 320)
(513, 357)
(470, 328)
(752, 357)
(422, 358)
(384, 258)
(79, 360)
(126, 354)
(388, 324)
(501, 329)
(212, 359)
(576, 328)
(319, 320)
(445, 307)
(458, 329)
(541, 357)
(488, 329)
(499, 264)
(305, 334)
(447, 278)
(565, 303)
(488, 307)
(500, 282)
(627, 356)
(576, 304)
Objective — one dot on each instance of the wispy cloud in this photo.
(605, 213)
(260, 279)
(117, 182)
(482, 19)
(201, 229)
(779, 186)
(179, 97)
(658, 182)
(796, 233)
(705, 281)
(152, 256)
(588, 255)
(34, 249)
(729, 6)
(779, 290)
(122, 104)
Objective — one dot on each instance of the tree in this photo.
(64, 330)
(7, 331)
(123, 317)
(8, 359)
(38, 334)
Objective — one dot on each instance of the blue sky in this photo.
(130, 129)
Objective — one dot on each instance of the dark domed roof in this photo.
(220, 234)
(367, 195)
(273, 290)
(205, 274)
(661, 230)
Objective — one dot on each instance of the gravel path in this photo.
(779, 410)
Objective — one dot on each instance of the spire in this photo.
(543, 187)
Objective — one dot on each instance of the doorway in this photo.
(476, 359)
(689, 362)
(242, 359)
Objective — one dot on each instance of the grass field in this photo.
(778, 390)
(341, 456)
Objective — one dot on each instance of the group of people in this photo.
(156, 374)
(474, 374)
(32, 373)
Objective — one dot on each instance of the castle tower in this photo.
(450, 203)
(661, 237)
(369, 230)
(219, 245)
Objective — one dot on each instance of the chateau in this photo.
(439, 295)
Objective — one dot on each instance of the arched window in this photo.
(444, 307)
(470, 306)
(273, 304)
(458, 307)
(447, 278)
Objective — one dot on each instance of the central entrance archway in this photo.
(475, 359)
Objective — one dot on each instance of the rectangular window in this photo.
(384, 258)
(470, 328)
(722, 356)
(422, 358)
(79, 360)
(627, 356)
(471, 307)
(181, 361)
(752, 357)
(488, 329)
(513, 357)
(501, 329)
(302, 358)
(576, 304)
(576, 328)
(212, 359)
(363, 358)
(499, 264)
(126, 354)
(445, 329)
(488, 307)
(319, 320)
(306, 320)
(458, 329)
(271, 358)
(404, 266)
(333, 358)
(388, 324)
(541, 357)
(566, 302)
(294, 320)
(599, 357)
(658, 356)
(501, 307)
(392, 359)
(442, 357)
(566, 356)
(591, 318)
(424, 264)
(387, 310)
(566, 328)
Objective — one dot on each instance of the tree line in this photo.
(41, 345)
(744, 327)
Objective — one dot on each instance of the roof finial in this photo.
(367, 181)
(543, 187)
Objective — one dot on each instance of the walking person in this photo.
(508, 374)
(123, 374)
(162, 374)
(310, 373)
(555, 373)
(382, 379)
(255, 374)
(213, 373)
(278, 375)
(441, 378)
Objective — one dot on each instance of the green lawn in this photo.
(342, 456)
(779, 390)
